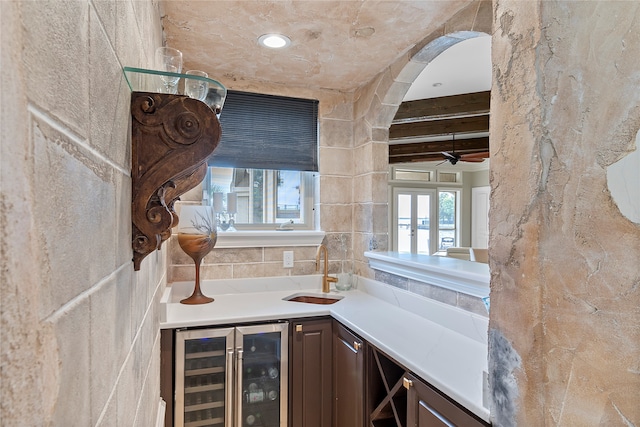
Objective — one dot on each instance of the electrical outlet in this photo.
(287, 259)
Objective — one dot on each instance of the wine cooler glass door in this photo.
(204, 377)
(261, 390)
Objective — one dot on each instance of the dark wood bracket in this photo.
(171, 136)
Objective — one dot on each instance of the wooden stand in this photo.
(171, 137)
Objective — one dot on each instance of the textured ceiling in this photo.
(337, 45)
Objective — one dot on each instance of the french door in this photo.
(415, 226)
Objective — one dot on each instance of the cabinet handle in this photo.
(407, 383)
(298, 328)
(228, 414)
(357, 345)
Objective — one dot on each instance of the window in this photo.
(263, 167)
(265, 199)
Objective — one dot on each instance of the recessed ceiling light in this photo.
(274, 41)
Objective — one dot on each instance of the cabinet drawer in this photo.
(426, 407)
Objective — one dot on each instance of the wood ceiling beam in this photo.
(430, 151)
(456, 105)
(448, 126)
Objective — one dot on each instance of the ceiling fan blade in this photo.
(472, 160)
(448, 155)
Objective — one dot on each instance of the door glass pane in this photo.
(447, 222)
(204, 381)
(404, 223)
(424, 206)
(261, 381)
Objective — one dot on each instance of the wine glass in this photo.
(169, 59)
(196, 88)
(197, 236)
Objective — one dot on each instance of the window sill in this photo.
(269, 238)
(468, 277)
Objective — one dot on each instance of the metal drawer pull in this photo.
(407, 383)
(298, 328)
(357, 345)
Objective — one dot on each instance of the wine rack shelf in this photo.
(388, 400)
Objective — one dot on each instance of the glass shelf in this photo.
(143, 80)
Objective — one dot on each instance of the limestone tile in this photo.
(336, 217)
(126, 393)
(73, 214)
(303, 268)
(109, 117)
(395, 94)
(336, 189)
(110, 338)
(299, 253)
(361, 133)
(128, 43)
(362, 269)
(335, 161)
(463, 20)
(122, 188)
(383, 115)
(417, 54)
(392, 279)
(437, 293)
(234, 255)
(336, 133)
(106, 12)
(213, 272)
(149, 398)
(110, 415)
(263, 269)
(335, 105)
(305, 253)
(484, 18)
(363, 98)
(139, 299)
(363, 242)
(73, 333)
(371, 187)
(370, 217)
(371, 157)
(56, 60)
(158, 279)
(409, 71)
(472, 304)
(385, 81)
(380, 134)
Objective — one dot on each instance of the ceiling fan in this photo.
(454, 157)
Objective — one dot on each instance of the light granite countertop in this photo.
(444, 345)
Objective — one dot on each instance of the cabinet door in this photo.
(311, 373)
(348, 378)
(428, 408)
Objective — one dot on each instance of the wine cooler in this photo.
(231, 377)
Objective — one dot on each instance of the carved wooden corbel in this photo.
(172, 136)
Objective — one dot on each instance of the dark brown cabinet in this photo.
(348, 378)
(310, 386)
(428, 408)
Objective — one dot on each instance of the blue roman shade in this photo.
(268, 132)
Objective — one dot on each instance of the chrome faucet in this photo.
(326, 279)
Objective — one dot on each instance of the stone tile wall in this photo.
(80, 341)
(457, 299)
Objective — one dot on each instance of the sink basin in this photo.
(313, 298)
